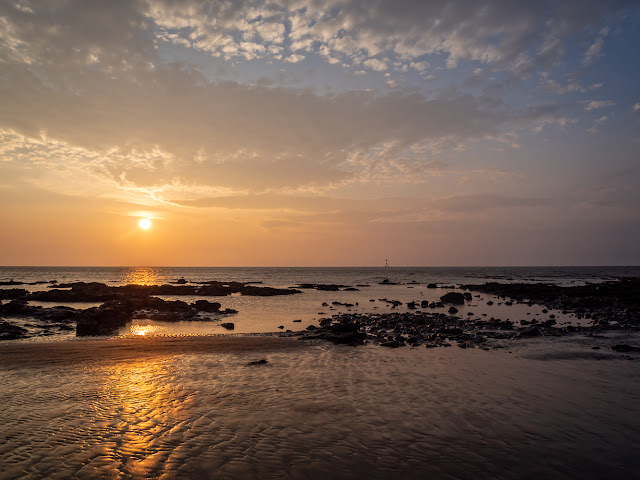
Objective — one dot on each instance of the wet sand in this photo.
(174, 408)
(22, 354)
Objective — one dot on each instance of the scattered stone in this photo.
(228, 325)
(262, 361)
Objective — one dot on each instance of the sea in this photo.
(545, 407)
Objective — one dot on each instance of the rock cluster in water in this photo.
(610, 306)
(121, 305)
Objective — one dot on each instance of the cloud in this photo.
(375, 64)
(595, 104)
(596, 126)
(636, 107)
(596, 47)
(556, 88)
(481, 202)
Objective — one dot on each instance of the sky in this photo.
(319, 133)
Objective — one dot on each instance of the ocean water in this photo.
(288, 276)
(277, 313)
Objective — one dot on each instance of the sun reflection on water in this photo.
(144, 412)
(144, 330)
(143, 276)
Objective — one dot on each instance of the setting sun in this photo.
(144, 223)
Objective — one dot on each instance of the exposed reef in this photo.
(609, 306)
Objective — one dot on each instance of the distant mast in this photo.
(386, 263)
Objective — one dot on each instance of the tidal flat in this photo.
(207, 407)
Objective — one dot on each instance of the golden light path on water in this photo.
(142, 276)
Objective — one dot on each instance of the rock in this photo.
(412, 305)
(625, 348)
(262, 361)
(106, 319)
(392, 344)
(206, 306)
(57, 314)
(432, 285)
(467, 296)
(228, 325)
(312, 328)
(455, 298)
(489, 302)
(530, 332)
(297, 321)
(8, 331)
(453, 310)
(281, 327)
(348, 338)
(12, 293)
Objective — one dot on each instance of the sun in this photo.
(144, 223)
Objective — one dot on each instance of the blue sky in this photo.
(445, 132)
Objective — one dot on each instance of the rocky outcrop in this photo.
(9, 331)
(454, 298)
(106, 319)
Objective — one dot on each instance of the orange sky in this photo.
(428, 133)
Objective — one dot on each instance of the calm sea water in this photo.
(288, 276)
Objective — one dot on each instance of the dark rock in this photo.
(297, 321)
(392, 344)
(432, 285)
(228, 325)
(206, 306)
(467, 296)
(12, 293)
(9, 331)
(453, 310)
(312, 327)
(281, 327)
(262, 361)
(348, 338)
(103, 320)
(455, 298)
(625, 348)
(530, 332)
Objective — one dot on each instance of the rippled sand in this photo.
(194, 408)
